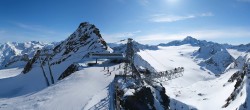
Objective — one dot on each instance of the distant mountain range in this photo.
(18, 54)
(195, 42)
(188, 40)
(12, 52)
(53, 62)
(215, 56)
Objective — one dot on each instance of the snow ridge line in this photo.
(139, 61)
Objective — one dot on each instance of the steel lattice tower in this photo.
(129, 56)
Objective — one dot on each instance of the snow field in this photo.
(198, 87)
(84, 89)
(7, 73)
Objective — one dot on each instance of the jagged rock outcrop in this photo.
(145, 95)
(142, 99)
(54, 62)
(86, 39)
(28, 66)
(71, 69)
(147, 98)
(86, 35)
(240, 79)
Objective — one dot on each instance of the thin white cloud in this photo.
(170, 18)
(207, 14)
(141, 2)
(26, 32)
(34, 28)
(144, 2)
(200, 34)
(119, 36)
(173, 18)
(13, 36)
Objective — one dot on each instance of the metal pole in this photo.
(50, 71)
(46, 78)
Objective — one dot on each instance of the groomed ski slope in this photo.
(84, 89)
(198, 87)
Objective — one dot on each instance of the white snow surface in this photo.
(89, 88)
(235, 53)
(84, 89)
(198, 87)
(7, 73)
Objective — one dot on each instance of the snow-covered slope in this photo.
(198, 88)
(85, 89)
(7, 73)
(19, 53)
(80, 86)
(84, 40)
(213, 57)
(210, 55)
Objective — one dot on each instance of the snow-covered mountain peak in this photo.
(188, 40)
(10, 52)
(214, 57)
(207, 51)
(64, 73)
(85, 34)
(86, 39)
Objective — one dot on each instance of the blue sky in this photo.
(147, 21)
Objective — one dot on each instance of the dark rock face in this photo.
(28, 66)
(164, 99)
(71, 69)
(145, 98)
(234, 77)
(142, 100)
(239, 77)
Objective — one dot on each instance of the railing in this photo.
(167, 75)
